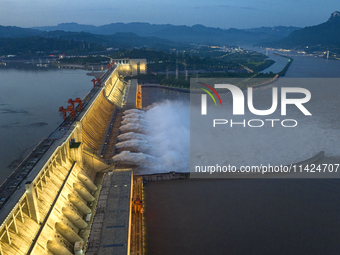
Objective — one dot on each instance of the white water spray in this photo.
(167, 138)
(131, 135)
(134, 145)
(132, 127)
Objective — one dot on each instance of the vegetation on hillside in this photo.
(44, 46)
(311, 39)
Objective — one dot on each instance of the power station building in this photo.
(131, 66)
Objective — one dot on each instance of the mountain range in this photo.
(118, 34)
(184, 34)
(320, 37)
(11, 31)
(138, 34)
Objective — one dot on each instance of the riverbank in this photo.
(285, 69)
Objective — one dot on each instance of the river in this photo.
(29, 102)
(303, 65)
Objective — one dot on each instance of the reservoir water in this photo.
(29, 102)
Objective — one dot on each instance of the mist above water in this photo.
(164, 140)
(169, 132)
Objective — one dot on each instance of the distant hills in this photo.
(23, 41)
(184, 34)
(120, 35)
(147, 29)
(117, 40)
(10, 31)
(320, 37)
(35, 45)
(280, 31)
(138, 28)
(138, 34)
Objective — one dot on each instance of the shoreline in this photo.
(285, 69)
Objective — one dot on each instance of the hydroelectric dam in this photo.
(67, 197)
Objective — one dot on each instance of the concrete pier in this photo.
(110, 233)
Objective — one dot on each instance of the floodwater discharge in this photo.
(161, 134)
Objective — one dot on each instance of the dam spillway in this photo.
(47, 205)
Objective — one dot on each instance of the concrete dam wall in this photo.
(95, 121)
(47, 204)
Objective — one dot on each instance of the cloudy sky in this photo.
(215, 13)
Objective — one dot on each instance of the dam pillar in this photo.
(87, 182)
(32, 201)
(80, 205)
(64, 153)
(67, 233)
(57, 249)
(83, 192)
(75, 145)
(59, 158)
(21, 216)
(74, 218)
(25, 208)
(6, 236)
(13, 226)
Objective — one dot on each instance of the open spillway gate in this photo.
(48, 203)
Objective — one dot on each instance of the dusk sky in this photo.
(214, 13)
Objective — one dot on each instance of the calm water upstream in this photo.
(29, 102)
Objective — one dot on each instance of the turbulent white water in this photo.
(137, 159)
(133, 127)
(169, 132)
(134, 145)
(140, 112)
(131, 135)
(133, 116)
(134, 120)
(166, 140)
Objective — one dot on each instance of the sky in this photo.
(214, 13)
